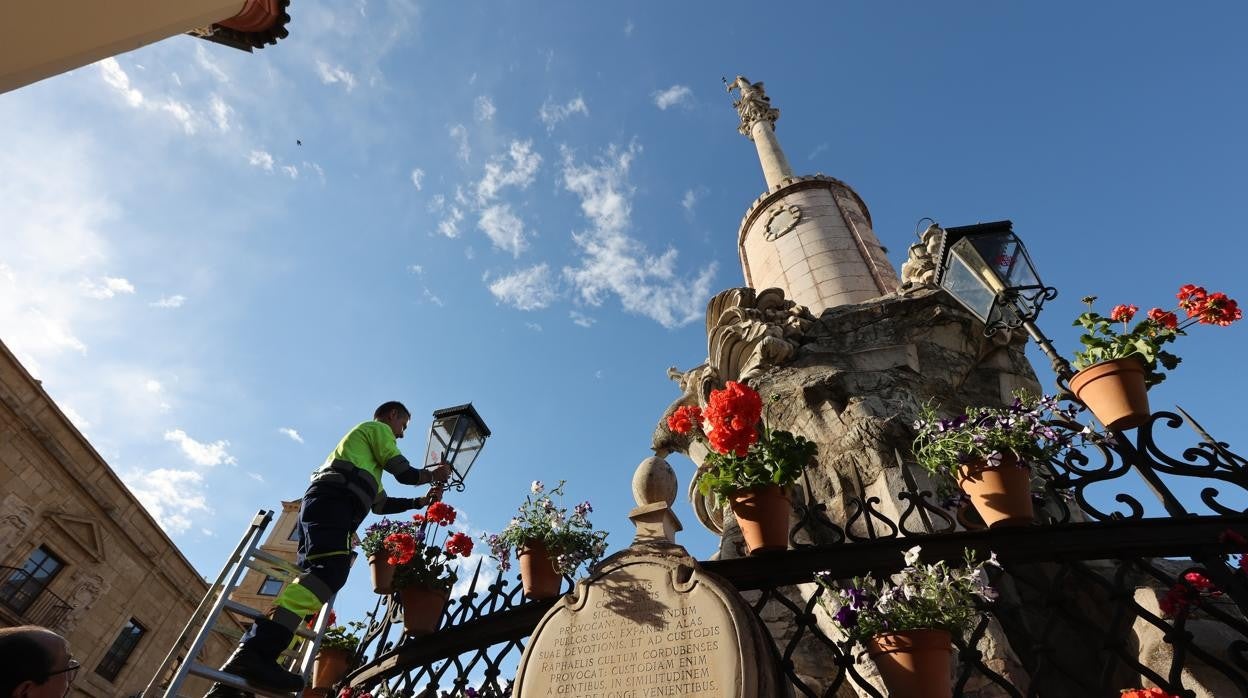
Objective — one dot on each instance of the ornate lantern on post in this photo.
(987, 269)
(456, 437)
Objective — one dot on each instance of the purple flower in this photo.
(857, 598)
(847, 617)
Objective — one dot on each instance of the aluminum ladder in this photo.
(247, 555)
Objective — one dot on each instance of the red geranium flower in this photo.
(1153, 692)
(1183, 595)
(1217, 309)
(685, 418)
(440, 513)
(1123, 313)
(459, 544)
(1164, 318)
(333, 619)
(401, 546)
(418, 517)
(1190, 295)
(733, 415)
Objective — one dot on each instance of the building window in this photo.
(22, 586)
(272, 587)
(113, 662)
(294, 533)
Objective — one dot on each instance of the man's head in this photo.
(36, 663)
(395, 415)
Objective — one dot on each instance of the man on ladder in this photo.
(342, 492)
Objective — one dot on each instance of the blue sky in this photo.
(528, 206)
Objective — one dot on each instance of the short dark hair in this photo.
(25, 657)
(388, 407)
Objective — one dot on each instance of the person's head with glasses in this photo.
(36, 663)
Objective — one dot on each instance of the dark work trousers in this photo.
(328, 517)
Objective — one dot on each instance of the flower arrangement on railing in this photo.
(907, 621)
(1116, 367)
(336, 652)
(549, 542)
(749, 465)
(421, 568)
(1189, 591)
(373, 544)
(988, 452)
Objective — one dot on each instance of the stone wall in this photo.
(119, 565)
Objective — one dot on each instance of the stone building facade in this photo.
(80, 554)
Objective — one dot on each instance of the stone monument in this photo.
(649, 622)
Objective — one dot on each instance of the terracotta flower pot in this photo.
(383, 573)
(538, 575)
(422, 609)
(330, 666)
(1115, 392)
(1001, 494)
(763, 515)
(914, 663)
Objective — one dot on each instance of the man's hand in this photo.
(439, 472)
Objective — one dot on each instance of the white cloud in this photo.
(206, 454)
(612, 262)
(672, 96)
(483, 108)
(527, 289)
(459, 134)
(436, 204)
(335, 74)
(290, 171)
(521, 173)
(174, 301)
(210, 66)
(170, 496)
(432, 297)
(290, 433)
(320, 173)
(580, 319)
(416, 269)
(552, 114)
(106, 287)
(182, 114)
(152, 385)
(261, 159)
(220, 113)
(449, 226)
(504, 229)
(533, 326)
(628, 28)
(115, 77)
(689, 201)
(418, 176)
(256, 476)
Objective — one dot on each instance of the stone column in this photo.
(776, 166)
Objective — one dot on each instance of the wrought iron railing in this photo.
(1079, 613)
(29, 600)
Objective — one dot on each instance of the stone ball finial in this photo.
(654, 481)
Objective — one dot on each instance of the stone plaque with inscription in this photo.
(648, 622)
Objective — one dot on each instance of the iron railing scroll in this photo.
(1088, 592)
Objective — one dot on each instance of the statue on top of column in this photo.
(753, 105)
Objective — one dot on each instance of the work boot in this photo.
(220, 690)
(263, 671)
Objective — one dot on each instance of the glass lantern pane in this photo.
(1008, 259)
(969, 280)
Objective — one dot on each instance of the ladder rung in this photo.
(276, 562)
(231, 680)
(232, 605)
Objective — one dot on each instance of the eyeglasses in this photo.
(72, 670)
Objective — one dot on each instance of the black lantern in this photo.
(986, 268)
(456, 437)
